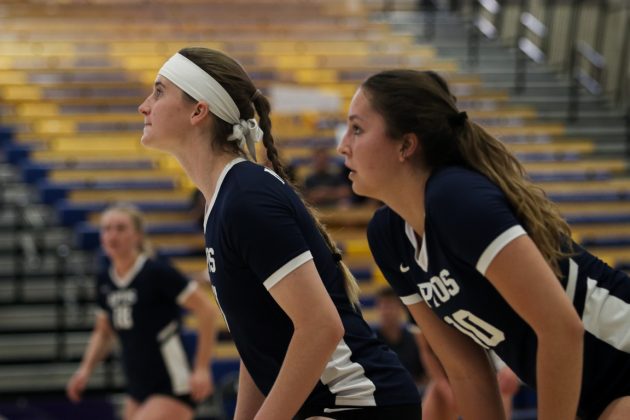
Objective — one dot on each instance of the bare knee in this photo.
(130, 408)
(161, 407)
(617, 410)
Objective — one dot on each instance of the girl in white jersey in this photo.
(288, 300)
(482, 258)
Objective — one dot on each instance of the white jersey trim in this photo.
(411, 299)
(420, 254)
(287, 268)
(497, 245)
(572, 279)
(336, 410)
(176, 363)
(123, 281)
(346, 379)
(218, 187)
(606, 316)
(188, 290)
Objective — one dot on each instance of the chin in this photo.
(361, 190)
(148, 142)
(358, 190)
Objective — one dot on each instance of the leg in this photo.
(162, 407)
(617, 410)
(131, 408)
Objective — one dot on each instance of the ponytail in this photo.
(263, 109)
(487, 155)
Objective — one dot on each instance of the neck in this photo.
(203, 166)
(407, 198)
(122, 265)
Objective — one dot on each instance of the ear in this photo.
(200, 111)
(408, 146)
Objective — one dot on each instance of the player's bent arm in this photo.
(98, 348)
(199, 303)
(527, 283)
(249, 398)
(431, 364)
(469, 372)
(100, 344)
(317, 332)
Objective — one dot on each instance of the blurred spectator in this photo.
(401, 336)
(325, 185)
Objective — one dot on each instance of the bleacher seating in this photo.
(71, 78)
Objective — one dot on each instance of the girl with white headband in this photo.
(289, 301)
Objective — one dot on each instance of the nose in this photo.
(143, 108)
(344, 145)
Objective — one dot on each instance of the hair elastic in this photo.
(458, 119)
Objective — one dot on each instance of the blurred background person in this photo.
(325, 185)
(140, 302)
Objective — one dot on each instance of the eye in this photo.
(356, 130)
(157, 93)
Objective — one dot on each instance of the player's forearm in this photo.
(559, 375)
(98, 348)
(249, 398)
(206, 337)
(309, 351)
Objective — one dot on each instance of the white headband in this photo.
(193, 80)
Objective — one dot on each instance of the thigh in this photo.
(162, 407)
(130, 408)
(617, 410)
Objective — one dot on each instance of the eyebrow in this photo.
(158, 83)
(355, 117)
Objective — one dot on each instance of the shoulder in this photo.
(253, 189)
(384, 220)
(103, 274)
(385, 230)
(251, 176)
(458, 186)
(156, 266)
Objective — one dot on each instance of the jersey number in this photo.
(122, 317)
(210, 258)
(480, 331)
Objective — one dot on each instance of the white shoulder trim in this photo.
(497, 245)
(287, 268)
(188, 290)
(411, 299)
(224, 172)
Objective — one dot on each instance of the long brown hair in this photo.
(421, 102)
(248, 99)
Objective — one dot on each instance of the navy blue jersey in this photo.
(468, 220)
(143, 309)
(257, 231)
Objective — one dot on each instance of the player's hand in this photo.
(201, 384)
(508, 381)
(77, 385)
